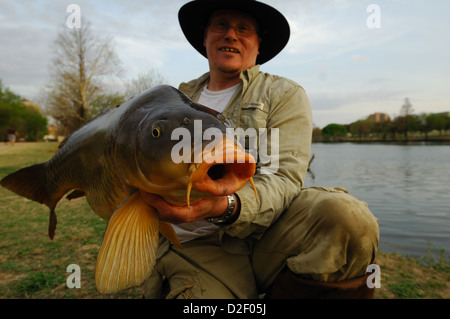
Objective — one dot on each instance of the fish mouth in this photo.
(222, 171)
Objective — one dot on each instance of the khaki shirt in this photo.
(267, 101)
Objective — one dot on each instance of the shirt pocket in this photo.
(253, 115)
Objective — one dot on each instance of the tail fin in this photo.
(30, 182)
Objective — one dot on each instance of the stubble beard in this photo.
(229, 70)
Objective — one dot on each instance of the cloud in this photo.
(344, 107)
(347, 69)
(356, 58)
(24, 58)
(323, 30)
(143, 32)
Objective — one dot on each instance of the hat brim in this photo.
(273, 27)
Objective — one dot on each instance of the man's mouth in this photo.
(227, 49)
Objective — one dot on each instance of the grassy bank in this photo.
(33, 266)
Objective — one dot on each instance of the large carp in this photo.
(118, 155)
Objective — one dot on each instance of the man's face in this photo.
(228, 51)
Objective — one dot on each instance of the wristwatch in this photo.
(225, 217)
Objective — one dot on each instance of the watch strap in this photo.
(226, 216)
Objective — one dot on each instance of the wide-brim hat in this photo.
(273, 27)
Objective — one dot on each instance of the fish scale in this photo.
(114, 158)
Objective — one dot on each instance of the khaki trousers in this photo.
(325, 235)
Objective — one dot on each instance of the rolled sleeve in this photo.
(290, 113)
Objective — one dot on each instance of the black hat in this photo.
(273, 26)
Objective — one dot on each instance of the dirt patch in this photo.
(6, 278)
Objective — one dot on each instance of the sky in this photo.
(352, 57)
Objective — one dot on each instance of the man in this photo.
(12, 135)
(291, 242)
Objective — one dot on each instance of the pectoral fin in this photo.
(167, 231)
(128, 252)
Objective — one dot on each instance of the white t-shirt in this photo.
(216, 100)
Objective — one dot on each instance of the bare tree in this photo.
(406, 112)
(82, 61)
(143, 82)
(406, 108)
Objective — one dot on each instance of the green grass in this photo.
(33, 266)
(409, 278)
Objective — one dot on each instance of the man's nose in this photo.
(231, 34)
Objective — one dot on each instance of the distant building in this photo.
(52, 130)
(379, 117)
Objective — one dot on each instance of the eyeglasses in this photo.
(241, 30)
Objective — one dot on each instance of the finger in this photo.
(170, 213)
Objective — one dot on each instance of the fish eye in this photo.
(156, 132)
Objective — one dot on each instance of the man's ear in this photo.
(204, 37)
(260, 40)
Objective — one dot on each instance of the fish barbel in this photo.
(125, 152)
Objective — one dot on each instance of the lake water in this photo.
(407, 187)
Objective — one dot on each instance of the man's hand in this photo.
(203, 208)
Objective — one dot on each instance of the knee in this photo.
(345, 214)
(353, 230)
